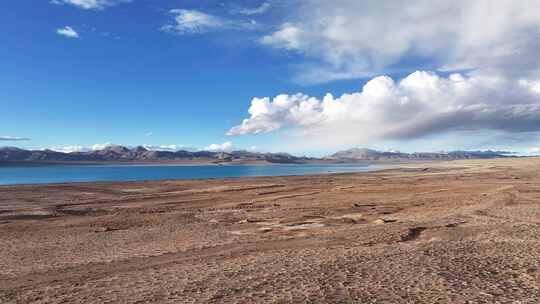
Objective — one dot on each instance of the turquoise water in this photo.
(67, 174)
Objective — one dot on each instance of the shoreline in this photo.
(6, 164)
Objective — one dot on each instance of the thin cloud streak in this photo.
(13, 138)
(90, 4)
(263, 8)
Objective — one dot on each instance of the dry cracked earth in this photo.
(454, 232)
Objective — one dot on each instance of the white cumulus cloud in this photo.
(170, 148)
(67, 31)
(423, 103)
(224, 147)
(90, 4)
(78, 148)
(68, 149)
(100, 146)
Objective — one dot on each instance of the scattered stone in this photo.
(384, 221)
(105, 229)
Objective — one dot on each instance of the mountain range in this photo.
(115, 153)
(368, 154)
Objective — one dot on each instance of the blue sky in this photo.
(85, 72)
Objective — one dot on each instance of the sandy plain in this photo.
(449, 232)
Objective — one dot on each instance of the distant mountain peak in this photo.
(140, 149)
(10, 148)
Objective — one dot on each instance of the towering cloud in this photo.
(477, 59)
(423, 103)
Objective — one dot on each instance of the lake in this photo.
(94, 173)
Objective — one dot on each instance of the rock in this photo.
(384, 221)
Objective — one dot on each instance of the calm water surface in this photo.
(64, 174)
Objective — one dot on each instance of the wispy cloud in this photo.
(13, 138)
(348, 39)
(197, 22)
(90, 4)
(263, 8)
(67, 31)
(192, 21)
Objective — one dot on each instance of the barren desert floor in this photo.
(449, 232)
